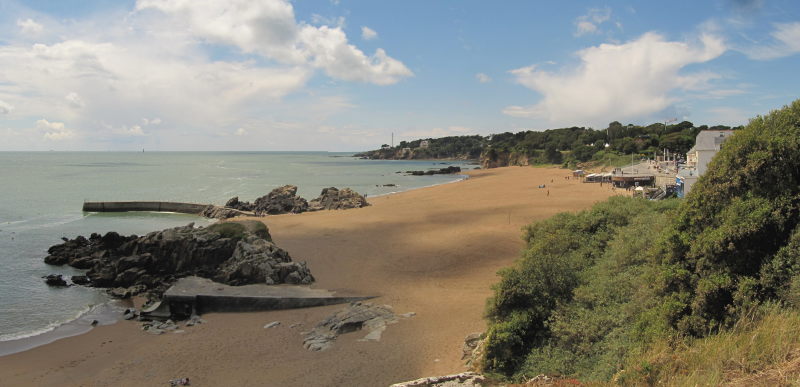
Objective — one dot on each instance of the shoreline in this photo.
(107, 313)
(80, 324)
(432, 251)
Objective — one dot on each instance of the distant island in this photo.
(569, 147)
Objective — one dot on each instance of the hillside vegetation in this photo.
(641, 292)
(567, 146)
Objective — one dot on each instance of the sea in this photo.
(41, 194)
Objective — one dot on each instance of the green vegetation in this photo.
(566, 146)
(602, 294)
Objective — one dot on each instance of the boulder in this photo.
(281, 200)
(335, 199)
(55, 280)
(80, 280)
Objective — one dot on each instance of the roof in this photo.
(710, 139)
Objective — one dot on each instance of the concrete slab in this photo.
(200, 295)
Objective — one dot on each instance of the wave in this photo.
(49, 327)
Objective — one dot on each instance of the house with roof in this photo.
(706, 145)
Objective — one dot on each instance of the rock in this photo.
(281, 200)
(272, 324)
(390, 185)
(217, 212)
(80, 280)
(443, 171)
(195, 320)
(237, 205)
(234, 252)
(85, 262)
(232, 202)
(470, 343)
(357, 316)
(55, 280)
(129, 314)
(334, 199)
(465, 379)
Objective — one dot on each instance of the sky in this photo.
(344, 75)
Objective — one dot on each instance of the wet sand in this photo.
(433, 251)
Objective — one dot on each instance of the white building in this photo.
(424, 144)
(706, 145)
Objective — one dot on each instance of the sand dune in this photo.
(432, 251)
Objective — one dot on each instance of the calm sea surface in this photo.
(41, 194)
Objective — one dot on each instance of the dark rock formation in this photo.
(284, 200)
(235, 253)
(281, 200)
(217, 212)
(335, 199)
(443, 171)
(237, 205)
(55, 280)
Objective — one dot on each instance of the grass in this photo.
(763, 348)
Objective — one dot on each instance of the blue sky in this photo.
(344, 75)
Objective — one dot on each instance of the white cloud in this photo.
(787, 42)
(589, 23)
(617, 81)
(74, 100)
(483, 78)
(368, 33)
(54, 131)
(151, 121)
(129, 131)
(30, 27)
(240, 132)
(269, 28)
(5, 108)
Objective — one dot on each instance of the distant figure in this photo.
(548, 192)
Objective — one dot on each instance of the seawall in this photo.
(185, 208)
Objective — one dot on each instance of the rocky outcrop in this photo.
(217, 212)
(282, 200)
(443, 171)
(234, 253)
(357, 316)
(55, 280)
(335, 199)
(465, 379)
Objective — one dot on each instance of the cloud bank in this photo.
(617, 81)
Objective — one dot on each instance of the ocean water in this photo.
(41, 194)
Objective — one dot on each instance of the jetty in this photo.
(196, 295)
(184, 208)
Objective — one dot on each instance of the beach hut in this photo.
(578, 173)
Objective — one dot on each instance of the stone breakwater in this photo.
(281, 200)
(234, 253)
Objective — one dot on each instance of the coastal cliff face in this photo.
(496, 159)
(412, 154)
(234, 253)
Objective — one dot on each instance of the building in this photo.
(706, 145)
(424, 144)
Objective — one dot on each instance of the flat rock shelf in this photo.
(196, 295)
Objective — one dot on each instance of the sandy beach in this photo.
(433, 251)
